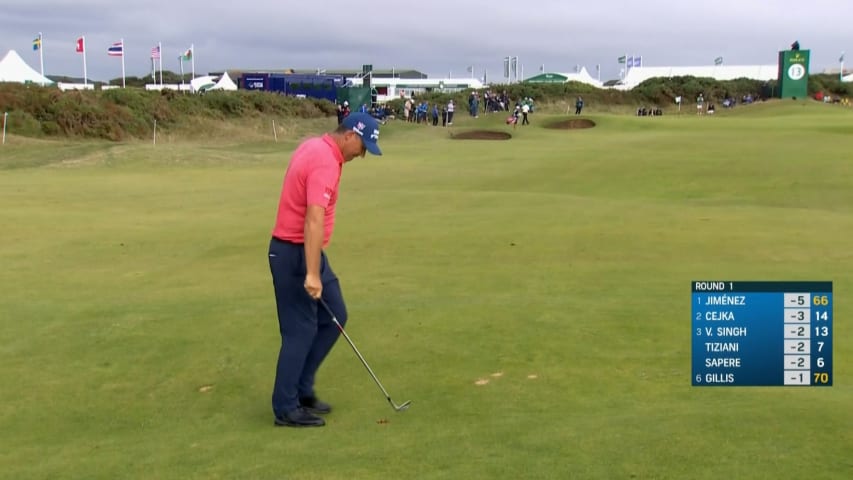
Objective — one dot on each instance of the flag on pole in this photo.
(37, 46)
(470, 68)
(718, 61)
(187, 55)
(116, 50)
(841, 58)
(630, 62)
(622, 59)
(638, 61)
(81, 48)
(155, 53)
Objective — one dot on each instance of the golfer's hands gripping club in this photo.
(314, 286)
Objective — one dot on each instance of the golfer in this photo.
(301, 272)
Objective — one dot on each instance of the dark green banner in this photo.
(793, 73)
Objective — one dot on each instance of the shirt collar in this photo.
(339, 156)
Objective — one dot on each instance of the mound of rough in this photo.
(481, 135)
(572, 124)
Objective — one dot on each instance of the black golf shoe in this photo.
(299, 417)
(315, 406)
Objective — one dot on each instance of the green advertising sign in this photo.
(793, 74)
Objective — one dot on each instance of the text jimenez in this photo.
(726, 300)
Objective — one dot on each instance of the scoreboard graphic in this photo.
(761, 333)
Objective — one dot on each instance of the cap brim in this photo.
(372, 148)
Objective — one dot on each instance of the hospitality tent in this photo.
(14, 69)
(225, 83)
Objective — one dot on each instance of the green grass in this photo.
(133, 276)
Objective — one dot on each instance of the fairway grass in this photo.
(531, 297)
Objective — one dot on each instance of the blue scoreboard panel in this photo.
(761, 333)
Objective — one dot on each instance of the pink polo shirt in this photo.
(312, 178)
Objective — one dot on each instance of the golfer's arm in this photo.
(314, 217)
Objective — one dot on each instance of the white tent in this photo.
(202, 83)
(14, 69)
(638, 75)
(581, 76)
(225, 83)
(848, 78)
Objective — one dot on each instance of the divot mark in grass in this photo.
(205, 388)
(532, 376)
(498, 374)
(481, 382)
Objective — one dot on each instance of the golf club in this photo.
(396, 407)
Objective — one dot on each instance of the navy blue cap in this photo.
(367, 128)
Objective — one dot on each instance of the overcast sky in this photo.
(438, 37)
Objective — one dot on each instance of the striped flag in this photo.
(116, 50)
(621, 59)
(155, 52)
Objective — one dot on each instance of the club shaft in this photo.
(358, 354)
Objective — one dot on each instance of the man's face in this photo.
(353, 147)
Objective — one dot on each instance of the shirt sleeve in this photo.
(320, 185)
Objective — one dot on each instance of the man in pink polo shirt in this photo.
(301, 272)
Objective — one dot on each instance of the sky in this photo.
(438, 37)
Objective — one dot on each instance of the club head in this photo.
(403, 407)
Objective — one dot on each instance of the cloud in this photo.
(437, 37)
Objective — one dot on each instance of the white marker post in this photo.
(155, 131)
(5, 116)
(274, 133)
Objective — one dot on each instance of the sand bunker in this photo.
(481, 135)
(571, 124)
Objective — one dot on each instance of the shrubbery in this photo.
(129, 112)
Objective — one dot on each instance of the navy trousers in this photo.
(307, 330)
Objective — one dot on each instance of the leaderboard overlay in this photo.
(762, 333)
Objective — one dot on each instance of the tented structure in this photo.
(638, 75)
(848, 78)
(581, 76)
(14, 69)
(200, 84)
(225, 83)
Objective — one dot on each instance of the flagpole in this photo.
(192, 58)
(160, 47)
(122, 63)
(41, 57)
(841, 67)
(85, 76)
(181, 61)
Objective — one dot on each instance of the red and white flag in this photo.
(81, 45)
